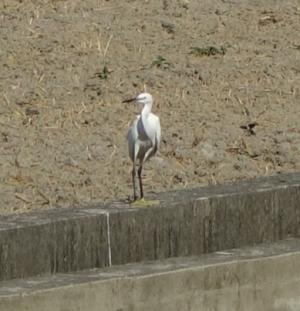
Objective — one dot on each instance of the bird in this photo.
(144, 136)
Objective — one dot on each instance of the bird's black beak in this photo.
(129, 100)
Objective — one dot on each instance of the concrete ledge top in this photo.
(19, 287)
(166, 199)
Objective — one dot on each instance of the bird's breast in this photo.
(142, 134)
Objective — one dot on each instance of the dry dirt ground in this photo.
(212, 67)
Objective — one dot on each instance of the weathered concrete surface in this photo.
(51, 242)
(185, 223)
(263, 278)
(205, 224)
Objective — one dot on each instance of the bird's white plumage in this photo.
(143, 136)
(145, 132)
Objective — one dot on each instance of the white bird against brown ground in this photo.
(143, 138)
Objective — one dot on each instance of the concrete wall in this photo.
(185, 223)
(260, 278)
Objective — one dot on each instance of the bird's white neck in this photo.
(146, 110)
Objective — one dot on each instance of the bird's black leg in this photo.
(133, 182)
(140, 180)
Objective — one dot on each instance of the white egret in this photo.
(143, 138)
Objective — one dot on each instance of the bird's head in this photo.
(143, 98)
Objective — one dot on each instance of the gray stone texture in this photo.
(185, 223)
(265, 277)
(50, 243)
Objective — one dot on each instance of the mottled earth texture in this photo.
(225, 76)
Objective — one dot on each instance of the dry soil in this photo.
(225, 76)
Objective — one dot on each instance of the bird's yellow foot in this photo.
(144, 203)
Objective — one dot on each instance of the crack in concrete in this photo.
(108, 238)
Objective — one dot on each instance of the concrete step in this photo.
(184, 223)
(264, 277)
